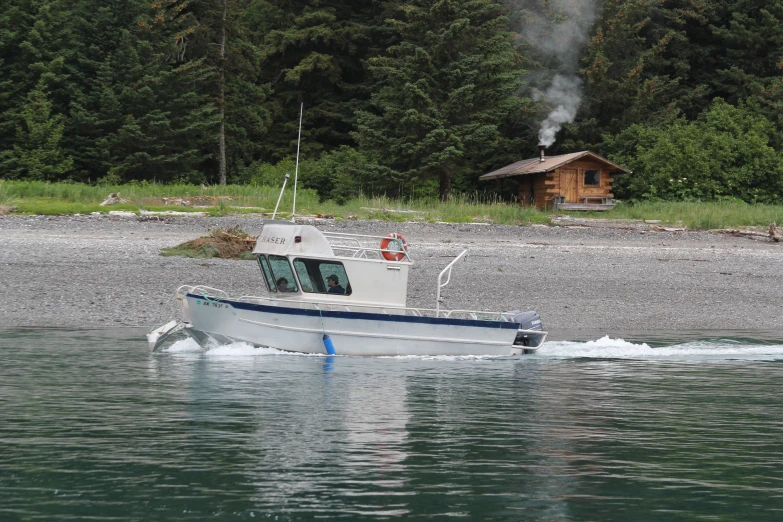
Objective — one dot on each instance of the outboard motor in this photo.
(527, 321)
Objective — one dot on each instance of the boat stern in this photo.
(159, 336)
(528, 341)
(531, 334)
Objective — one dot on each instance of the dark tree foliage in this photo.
(15, 77)
(36, 153)
(35, 43)
(641, 64)
(227, 43)
(403, 97)
(650, 61)
(749, 62)
(447, 86)
(313, 53)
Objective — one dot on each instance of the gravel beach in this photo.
(98, 271)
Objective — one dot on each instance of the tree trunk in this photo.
(223, 97)
(445, 183)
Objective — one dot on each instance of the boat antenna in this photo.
(287, 175)
(296, 171)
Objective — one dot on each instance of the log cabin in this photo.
(576, 181)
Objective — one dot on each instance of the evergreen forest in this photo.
(404, 98)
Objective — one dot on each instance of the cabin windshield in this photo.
(268, 277)
(278, 274)
(319, 276)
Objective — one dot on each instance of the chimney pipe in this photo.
(541, 148)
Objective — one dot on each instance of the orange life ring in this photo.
(397, 241)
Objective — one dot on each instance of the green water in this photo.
(94, 427)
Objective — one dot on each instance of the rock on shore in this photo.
(95, 271)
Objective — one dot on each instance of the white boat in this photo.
(344, 294)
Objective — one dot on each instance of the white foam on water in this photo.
(186, 345)
(603, 348)
(609, 348)
(240, 349)
(443, 357)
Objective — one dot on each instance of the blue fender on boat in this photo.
(329, 345)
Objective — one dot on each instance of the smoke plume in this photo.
(558, 30)
(565, 93)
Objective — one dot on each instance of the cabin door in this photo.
(568, 184)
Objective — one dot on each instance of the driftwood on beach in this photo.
(113, 199)
(773, 234)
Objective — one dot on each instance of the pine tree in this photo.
(16, 80)
(640, 63)
(104, 64)
(749, 55)
(139, 109)
(37, 154)
(446, 87)
(228, 45)
(170, 119)
(35, 42)
(313, 53)
(650, 62)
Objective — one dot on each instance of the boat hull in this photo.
(352, 333)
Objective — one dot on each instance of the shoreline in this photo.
(103, 271)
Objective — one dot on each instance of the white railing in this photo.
(447, 272)
(352, 244)
(216, 292)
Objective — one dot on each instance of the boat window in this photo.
(592, 177)
(284, 279)
(319, 276)
(268, 279)
(304, 276)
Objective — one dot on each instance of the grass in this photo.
(459, 209)
(698, 215)
(6, 201)
(41, 195)
(36, 197)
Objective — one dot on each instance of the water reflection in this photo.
(320, 429)
(616, 433)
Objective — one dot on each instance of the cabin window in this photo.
(592, 177)
(318, 276)
(284, 280)
(268, 278)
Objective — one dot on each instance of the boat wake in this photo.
(609, 348)
(222, 350)
(603, 348)
(240, 349)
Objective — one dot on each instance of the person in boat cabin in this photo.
(334, 285)
(282, 285)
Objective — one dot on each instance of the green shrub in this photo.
(339, 175)
(724, 155)
(208, 251)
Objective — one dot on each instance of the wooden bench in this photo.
(603, 200)
(605, 203)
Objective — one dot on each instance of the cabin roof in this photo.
(550, 163)
(285, 238)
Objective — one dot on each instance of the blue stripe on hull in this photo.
(503, 325)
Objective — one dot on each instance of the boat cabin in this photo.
(576, 181)
(301, 263)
